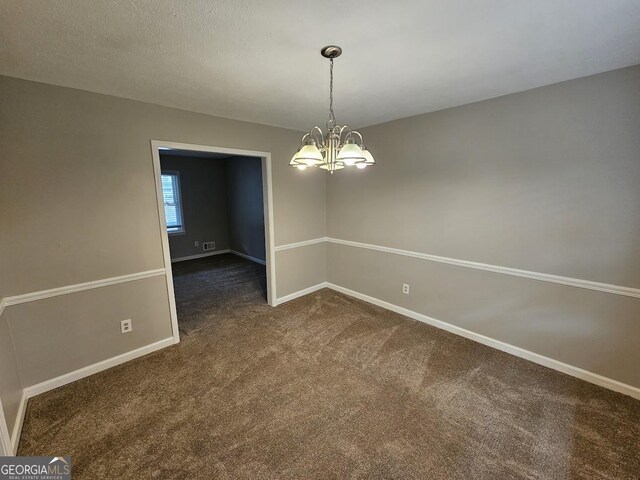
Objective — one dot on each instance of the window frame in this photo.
(179, 204)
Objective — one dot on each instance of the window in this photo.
(172, 202)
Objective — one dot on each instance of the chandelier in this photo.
(340, 147)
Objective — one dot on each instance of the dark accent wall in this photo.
(222, 201)
(245, 206)
(204, 204)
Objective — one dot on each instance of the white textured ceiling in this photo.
(259, 60)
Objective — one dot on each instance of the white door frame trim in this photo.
(267, 200)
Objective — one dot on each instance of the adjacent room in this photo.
(214, 215)
(276, 240)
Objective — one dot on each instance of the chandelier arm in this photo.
(355, 132)
(319, 135)
(343, 129)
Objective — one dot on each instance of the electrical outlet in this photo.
(126, 326)
(196, 243)
(405, 288)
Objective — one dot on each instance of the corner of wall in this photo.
(12, 437)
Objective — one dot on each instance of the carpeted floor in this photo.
(327, 387)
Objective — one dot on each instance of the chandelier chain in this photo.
(332, 118)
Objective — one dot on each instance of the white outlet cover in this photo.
(126, 326)
(405, 288)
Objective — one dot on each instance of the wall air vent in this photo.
(207, 246)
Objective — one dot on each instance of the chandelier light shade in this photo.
(351, 153)
(307, 156)
(368, 158)
(340, 146)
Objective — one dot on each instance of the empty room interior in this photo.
(213, 207)
(277, 240)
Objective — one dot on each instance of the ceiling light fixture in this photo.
(340, 147)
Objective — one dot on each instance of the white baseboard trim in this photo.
(300, 293)
(79, 287)
(505, 347)
(83, 372)
(200, 255)
(248, 257)
(47, 385)
(17, 427)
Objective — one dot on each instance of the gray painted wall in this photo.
(66, 151)
(78, 204)
(10, 383)
(545, 180)
(245, 206)
(204, 204)
(309, 262)
(80, 328)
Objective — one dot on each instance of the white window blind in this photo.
(172, 202)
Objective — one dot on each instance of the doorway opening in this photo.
(215, 213)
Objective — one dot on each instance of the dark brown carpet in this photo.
(327, 387)
(213, 287)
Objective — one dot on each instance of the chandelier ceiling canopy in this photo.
(340, 146)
